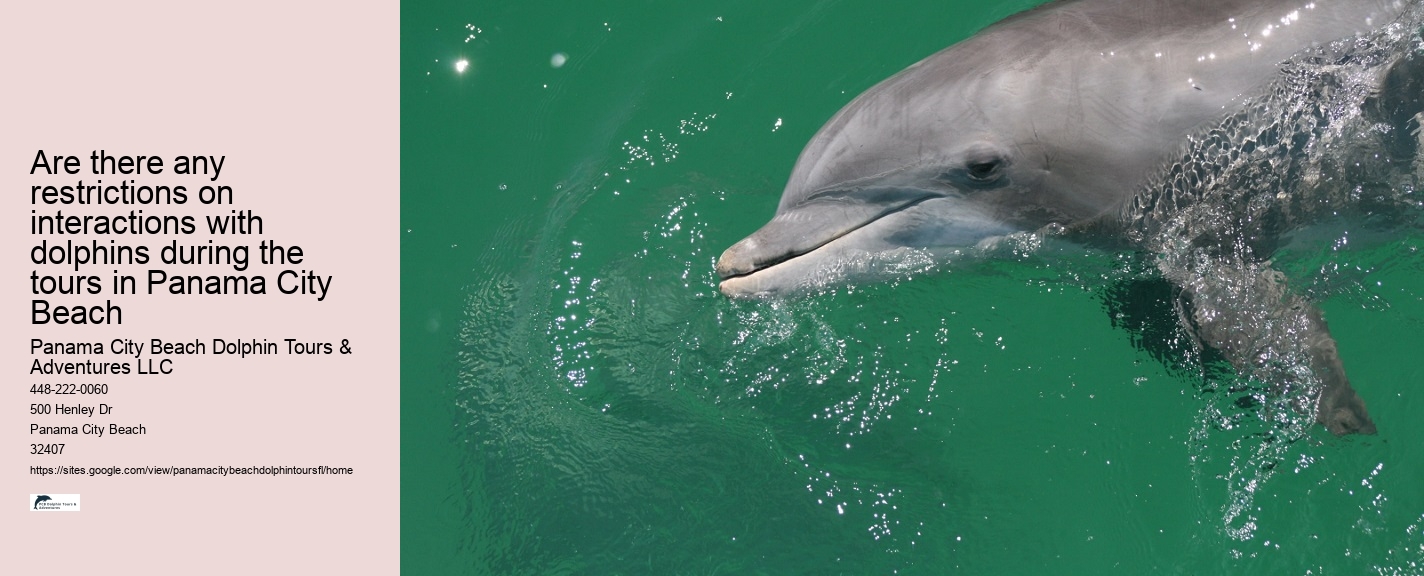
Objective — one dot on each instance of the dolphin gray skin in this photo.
(1101, 119)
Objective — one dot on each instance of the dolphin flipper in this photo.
(1245, 311)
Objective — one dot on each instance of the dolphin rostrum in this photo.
(1198, 130)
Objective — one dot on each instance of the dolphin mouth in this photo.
(800, 232)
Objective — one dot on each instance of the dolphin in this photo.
(1142, 123)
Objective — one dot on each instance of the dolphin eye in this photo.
(979, 168)
(983, 170)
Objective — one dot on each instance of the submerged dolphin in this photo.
(1133, 120)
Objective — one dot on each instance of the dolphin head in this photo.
(953, 152)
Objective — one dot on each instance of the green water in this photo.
(578, 399)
